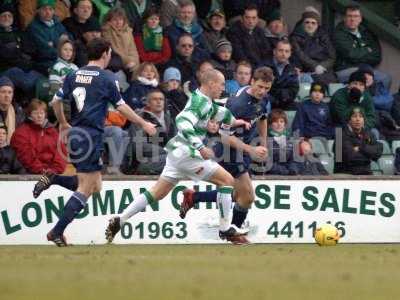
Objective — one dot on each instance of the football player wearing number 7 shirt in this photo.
(88, 91)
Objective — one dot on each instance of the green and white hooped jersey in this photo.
(192, 122)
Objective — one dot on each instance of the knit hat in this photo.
(216, 12)
(354, 110)
(91, 25)
(7, 7)
(311, 15)
(366, 69)
(223, 45)
(172, 74)
(357, 76)
(5, 81)
(318, 87)
(42, 3)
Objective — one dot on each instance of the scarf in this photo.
(145, 81)
(152, 38)
(9, 122)
(186, 28)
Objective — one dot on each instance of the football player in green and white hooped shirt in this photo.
(188, 157)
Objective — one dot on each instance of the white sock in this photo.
(224, 201)
(136, 206)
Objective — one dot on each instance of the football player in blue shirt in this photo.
(251, 105)
(88, 91)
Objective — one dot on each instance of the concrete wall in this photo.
(292, 11)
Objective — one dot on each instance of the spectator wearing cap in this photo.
(359, 146)
(185, 22)
(204, 8)
(27, 10)
(9, 163)
(222, 59)
(313, 52)
(148, 154)
(313, 118)
(81, 17)
(36, 142)
(176, 99)
(151, 41)
(11, 114)
(356, 44)
(15, 50)
(345, 99)
(248, 40)
(214, 29)
(286, 84)
(45, 32)
(276, 29)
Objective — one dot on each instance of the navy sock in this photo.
(68, 182)
(209, 196)
(74, 205)
(239, 215)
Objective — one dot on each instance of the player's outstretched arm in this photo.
(262, 127)
(128, 113)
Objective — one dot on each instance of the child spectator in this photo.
(11, 115)
(241, 79)
(359, 146)
(313, 118)
(63, 66)
(151, 42)
(222, 59)
(116, 30)
(36, 142)
(145, 79)
(176, 99)
(9, 163)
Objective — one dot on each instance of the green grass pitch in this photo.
(159, 272)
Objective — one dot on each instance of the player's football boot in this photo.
(114, 226)
(233, 236)
(44, 182)
(187, 202)
(60, 241)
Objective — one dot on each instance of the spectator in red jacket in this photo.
(151, 42)
(36, 142)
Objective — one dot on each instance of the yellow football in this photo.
(327, 235)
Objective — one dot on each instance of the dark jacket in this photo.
(273, 40)
(9, 163)
(188, 67)
(225, 67)
(45, 40)
(313, 120)
(175, 102)
(281, 158)
(135, 95)
(311, 51)
(253, 46)
(37, 148)
(358, 162)
(212, 37)
(285, 87)
(352, 51)
(15, 50)
(341, 106)
(76, 28)
(19, 116)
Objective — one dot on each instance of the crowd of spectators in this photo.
(161, 49)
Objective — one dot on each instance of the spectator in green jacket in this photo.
(354, 95)
(356, 45)
(45, 32)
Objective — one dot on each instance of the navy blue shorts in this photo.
(237, 168)
(85, 147)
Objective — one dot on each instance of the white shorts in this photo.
(180, 165)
